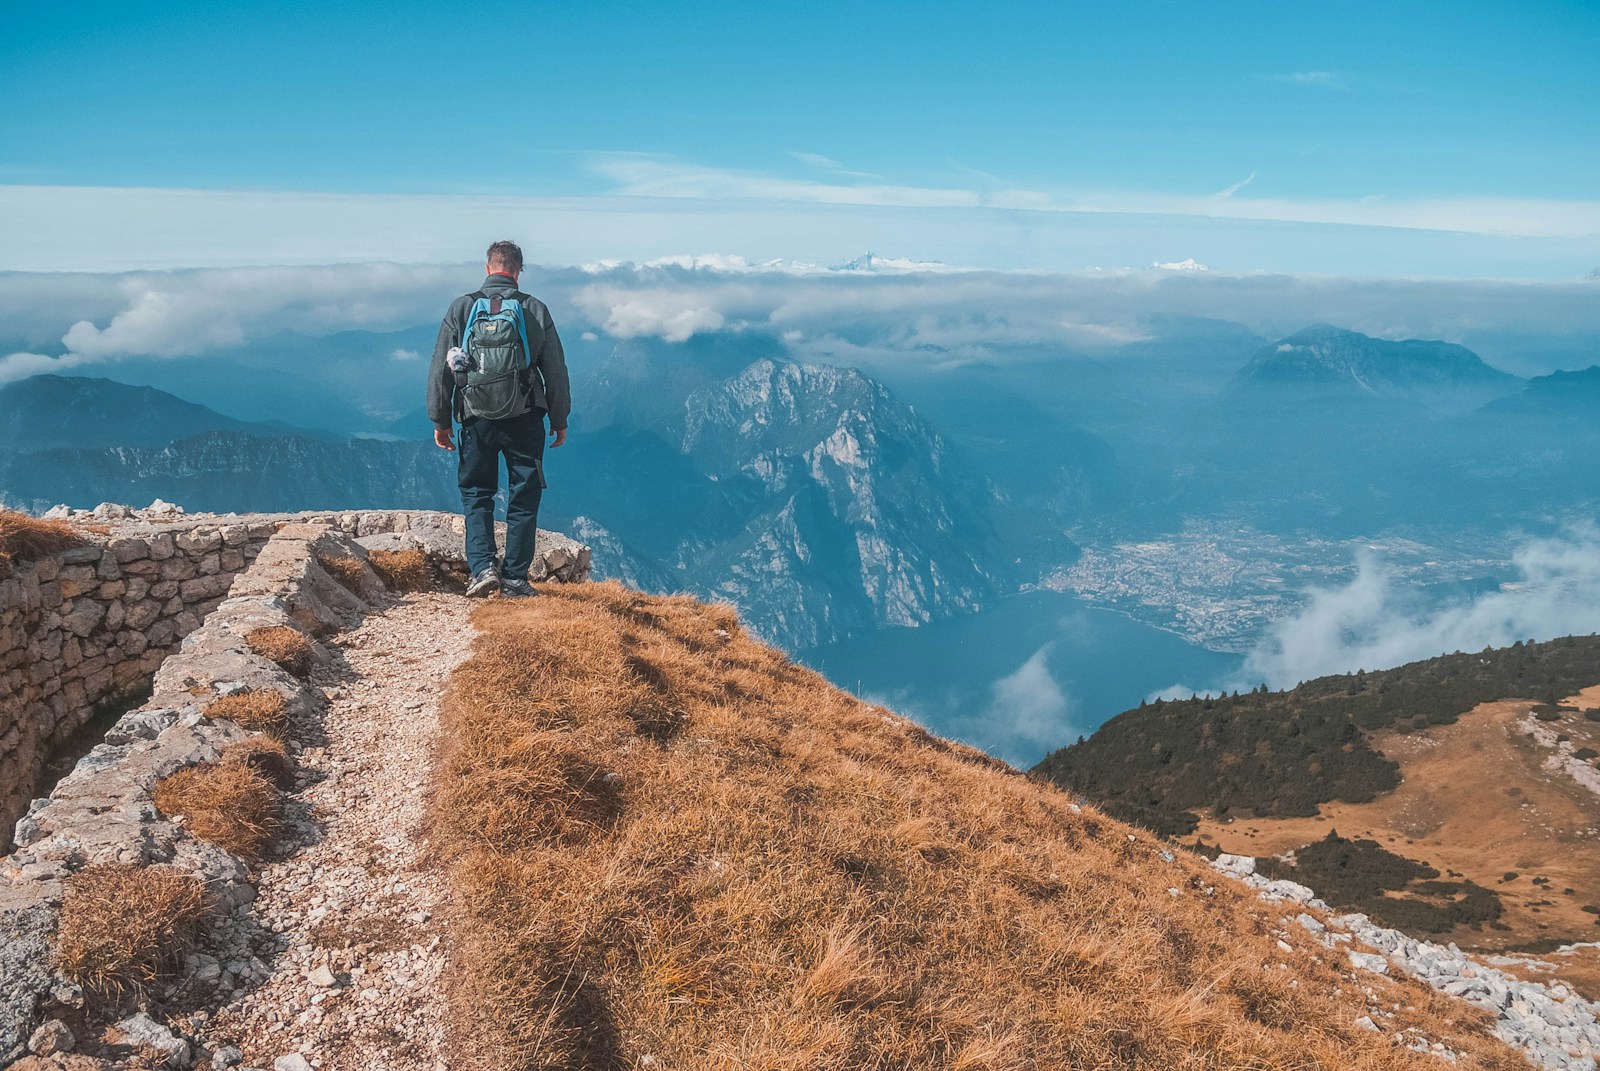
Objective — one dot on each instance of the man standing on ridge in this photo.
(498, 369)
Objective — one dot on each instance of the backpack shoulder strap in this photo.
(520, 302)
(472, 314)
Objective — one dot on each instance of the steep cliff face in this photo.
(843, 482)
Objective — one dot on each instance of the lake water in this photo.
(1022, 678)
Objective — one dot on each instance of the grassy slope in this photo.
(675, 849)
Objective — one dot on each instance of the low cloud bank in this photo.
(1371, 623)
(64, 321)
(96, 319)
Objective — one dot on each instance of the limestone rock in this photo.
(1237, 865)
(143, 1032)
(53, 1036)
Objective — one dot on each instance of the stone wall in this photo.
(90, 626)
(102, 811)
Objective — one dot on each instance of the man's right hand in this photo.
(444, 438)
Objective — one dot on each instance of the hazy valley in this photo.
(1203, 482)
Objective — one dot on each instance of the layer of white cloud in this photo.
(1371, 623)
(100, 319)
(849, 317)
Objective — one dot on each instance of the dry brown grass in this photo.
(265, 710)
(283, 645)
(123, 927)
(231, 804)
(24, 538)
(267, 756)
(402, 570)
(347, 571)
(671, 842)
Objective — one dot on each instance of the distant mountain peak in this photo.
(1337, 361)
(872, 262)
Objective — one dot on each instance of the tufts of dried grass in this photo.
(122, 928)
(24, 538)
(779, 876)
(231, 804)
(267, 756)
(402, 570)
(264, 710)
(349, 572)
(283, 645)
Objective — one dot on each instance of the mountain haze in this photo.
(1560, 395)
(46, 411)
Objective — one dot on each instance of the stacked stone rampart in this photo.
(89, 626)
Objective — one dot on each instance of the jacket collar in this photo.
(499, 282)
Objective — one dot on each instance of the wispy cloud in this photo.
(1371, 623)
(637, 175)
(828, 163)
(1229, 191)
(640, 175)
(1321, 79)
(1028, 706)
(816, 159)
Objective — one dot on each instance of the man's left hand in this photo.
(557, 437)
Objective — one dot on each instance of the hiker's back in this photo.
(497, 366)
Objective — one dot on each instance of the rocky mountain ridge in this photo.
(806, 494)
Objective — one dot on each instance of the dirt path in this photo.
(344, 928)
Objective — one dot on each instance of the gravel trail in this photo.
(340, 956)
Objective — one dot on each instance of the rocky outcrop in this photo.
(1555, 1027)
(102, 811)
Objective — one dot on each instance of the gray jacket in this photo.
(549, 389)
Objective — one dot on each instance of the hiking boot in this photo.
(516, 589)
(484, 582)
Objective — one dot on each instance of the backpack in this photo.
(497, 358)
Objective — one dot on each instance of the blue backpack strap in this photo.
(478, 299)
(517, 298)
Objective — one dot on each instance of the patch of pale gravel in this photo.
(348, 951)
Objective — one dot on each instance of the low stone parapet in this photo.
(88, 626)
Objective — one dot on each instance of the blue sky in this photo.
(789, 131)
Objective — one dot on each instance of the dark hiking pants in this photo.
(520, 440)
